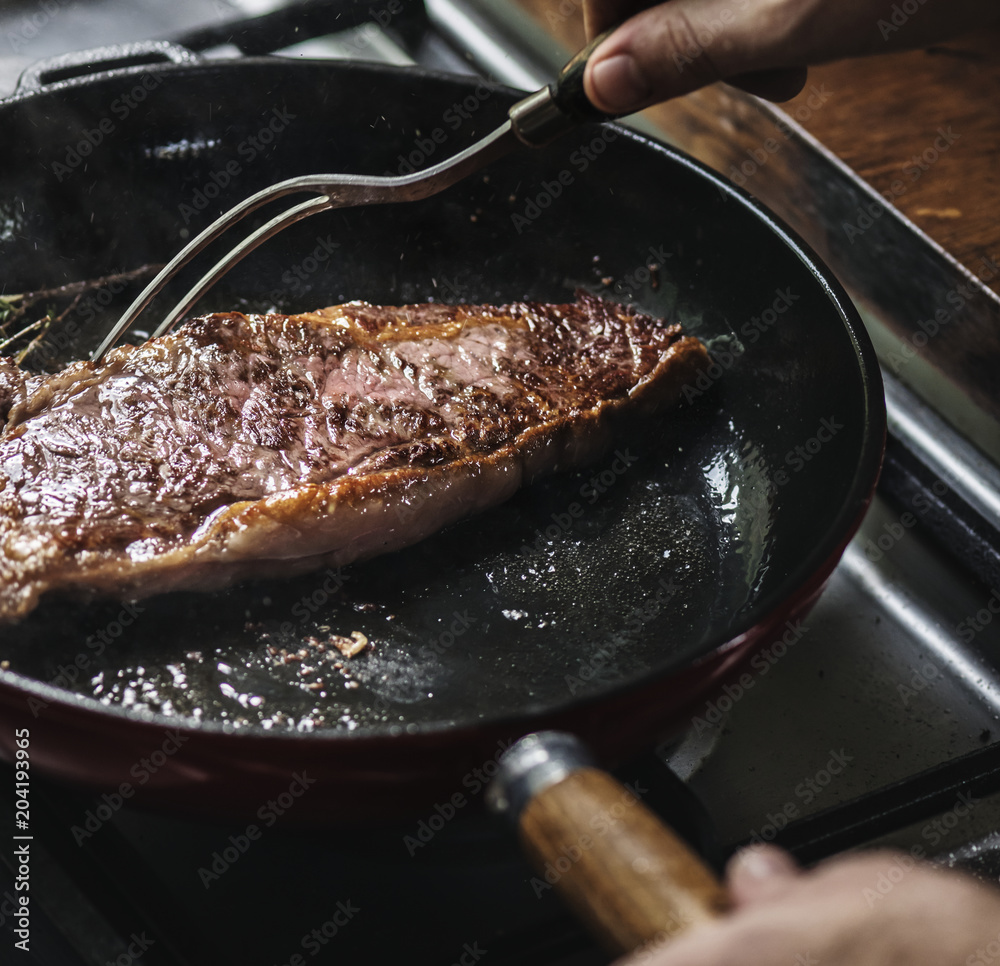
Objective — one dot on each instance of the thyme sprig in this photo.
(33, 314)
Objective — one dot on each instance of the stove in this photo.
(876, 722)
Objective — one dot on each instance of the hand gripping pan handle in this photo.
(629, 877)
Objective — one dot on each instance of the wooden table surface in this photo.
(923, 128)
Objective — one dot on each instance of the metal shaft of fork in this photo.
(334, 191)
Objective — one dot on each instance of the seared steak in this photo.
(12, 387)
(268, 445)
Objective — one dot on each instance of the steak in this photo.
(267, 445)
(13, 385)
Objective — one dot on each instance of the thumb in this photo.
(760, 45)
(759, 874)
(682, 45)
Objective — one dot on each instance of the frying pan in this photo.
(610, 602)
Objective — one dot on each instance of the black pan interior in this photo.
(694, 528)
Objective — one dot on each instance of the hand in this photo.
(763, 46)
(877, 909)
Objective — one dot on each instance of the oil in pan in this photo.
(579, 582)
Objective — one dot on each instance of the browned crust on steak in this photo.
(436, 461)
(12, 387)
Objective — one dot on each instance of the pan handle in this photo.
(625, 874)
(85, 63)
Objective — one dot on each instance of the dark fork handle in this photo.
(545, 115)
(567, 89)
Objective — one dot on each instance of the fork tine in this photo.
(336, 191)
(296, 213)
(204, 238)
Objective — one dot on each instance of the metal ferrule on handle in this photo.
(552, 111)
(626, 874)
(538, 119)
(532, 765)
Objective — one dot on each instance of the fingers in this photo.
(761, 874)
(754, 876)
(867, 910)
(601, 15)
(681, 45)
(773, 85)
(759, 45)
(619, 84)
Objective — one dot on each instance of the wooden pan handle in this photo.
(625, 874)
